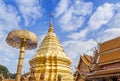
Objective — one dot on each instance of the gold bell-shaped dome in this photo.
(50, 60)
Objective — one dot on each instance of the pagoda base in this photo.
(54, 77)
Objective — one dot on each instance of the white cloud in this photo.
(7, 54)
(8, 17)
(102, 16)
(109, 34)
(115, 22)
(26, 66)
(113, 28)
(9, 20)
(71, 16)
(106, 14)
(5, 61)
(78, 35)
(62, 6)
(74, 48)
(30, 9)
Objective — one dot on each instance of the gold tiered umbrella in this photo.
(24, 40)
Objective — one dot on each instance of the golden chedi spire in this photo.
(50, 60)
(51, 29)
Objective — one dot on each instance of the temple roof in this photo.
(109, 52)
(109, 45)
(86, 59)
(50, 45)
(109, 57)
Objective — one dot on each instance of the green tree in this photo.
(12, 76)
(4, 71)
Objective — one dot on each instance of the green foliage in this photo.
(12, 76)
(6, 73)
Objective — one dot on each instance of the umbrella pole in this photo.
(20, 60)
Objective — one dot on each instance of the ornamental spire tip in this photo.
(51, 29)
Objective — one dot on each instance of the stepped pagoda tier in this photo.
(50, 63)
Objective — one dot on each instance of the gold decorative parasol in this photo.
(24, 40)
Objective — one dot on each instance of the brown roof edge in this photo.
(89, 60)
(109, 45)
(104, 72)
(79, 61)
(110, 40)
(102, 76)
(109, 62)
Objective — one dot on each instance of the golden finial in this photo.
(51, 15)
(51, 29)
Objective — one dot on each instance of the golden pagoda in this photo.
(50, 63)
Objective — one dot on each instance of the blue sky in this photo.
(77, 23)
